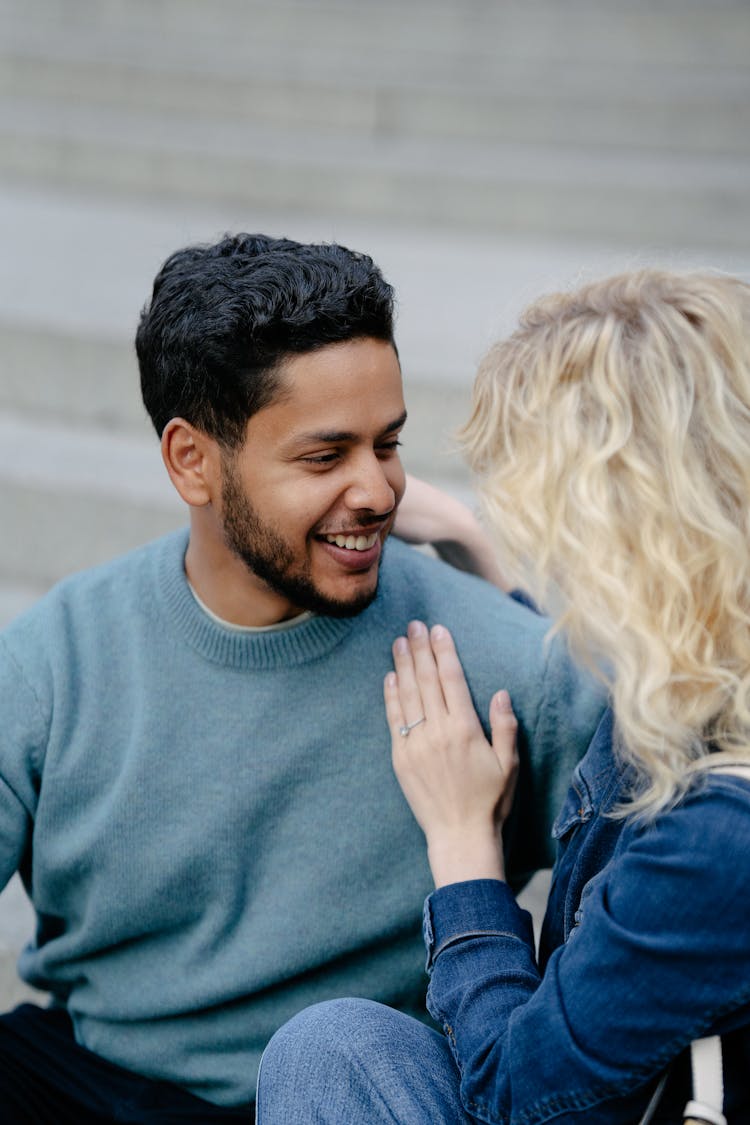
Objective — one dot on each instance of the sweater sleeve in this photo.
(659, 957)
(22, 735)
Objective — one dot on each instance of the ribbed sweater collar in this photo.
(309, 641)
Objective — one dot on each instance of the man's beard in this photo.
(271, 559)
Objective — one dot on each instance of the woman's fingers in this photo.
(426, 670)
(504, 727)
(393, 712)
(409, 693)
(430, 679)
(453, 684)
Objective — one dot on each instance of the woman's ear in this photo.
(192, 460)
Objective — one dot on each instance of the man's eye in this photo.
(389, 446)
(321, 459)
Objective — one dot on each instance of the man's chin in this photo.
(306, 594)
(320, 603)
(349, 609)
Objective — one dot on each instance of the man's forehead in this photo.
(338, 354)
(339, 376)
(339, 392)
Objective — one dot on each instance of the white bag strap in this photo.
(708, 1083)
(707, 1102)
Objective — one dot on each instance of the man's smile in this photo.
(356, 551)
(354, 542)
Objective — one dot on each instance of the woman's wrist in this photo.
(457, 857)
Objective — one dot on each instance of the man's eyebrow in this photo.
(396, 424)
(332, 437)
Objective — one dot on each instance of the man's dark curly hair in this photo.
(223, 318)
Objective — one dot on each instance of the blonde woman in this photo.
(611, 435)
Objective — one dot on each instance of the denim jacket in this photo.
(645, 946)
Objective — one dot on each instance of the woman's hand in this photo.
(459, 786)
(428, 515)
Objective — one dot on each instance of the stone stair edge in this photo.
(688, 115)
(444, 68)
(111, 127)
(15, 597)
(51, 534)
(372, 23)
(706, 209)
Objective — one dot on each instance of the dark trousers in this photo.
(46, 1078)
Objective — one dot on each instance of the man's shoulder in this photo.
(420, 585)
(501, 643)
(99, 589)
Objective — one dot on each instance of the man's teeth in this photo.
(354, 542)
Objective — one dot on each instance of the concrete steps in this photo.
(16, 927)
(667, 198)
(461, 31)
(73, 496)
(602, 121)
(500, 95)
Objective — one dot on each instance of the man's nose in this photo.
(370, 487)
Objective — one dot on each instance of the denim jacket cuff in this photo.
(476, 908)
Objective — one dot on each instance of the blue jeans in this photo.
(348, 1061)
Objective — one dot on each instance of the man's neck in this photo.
(225, 585)
(290, 623)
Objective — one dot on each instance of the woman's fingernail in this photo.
(416, 629)
(401, 645)
(438, 632)
(390, 680)
(502, 701)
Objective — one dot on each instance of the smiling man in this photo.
(195, 777)
(296, 516)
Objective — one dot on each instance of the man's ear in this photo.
(193, 462)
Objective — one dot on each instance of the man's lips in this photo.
(353, 550)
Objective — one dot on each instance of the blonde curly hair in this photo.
(611, 435)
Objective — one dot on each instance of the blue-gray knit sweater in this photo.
(207, 821)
